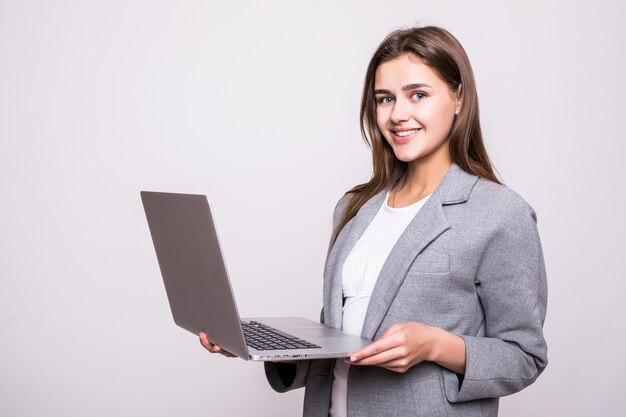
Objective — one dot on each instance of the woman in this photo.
(433, 258)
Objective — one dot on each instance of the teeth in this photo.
(406, 132)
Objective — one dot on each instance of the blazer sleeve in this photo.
(512, 288)
(284, 377)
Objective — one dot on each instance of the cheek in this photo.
(381, 118)
(437, 120)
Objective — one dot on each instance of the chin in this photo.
(409, 156)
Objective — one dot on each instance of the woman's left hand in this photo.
(402, 346)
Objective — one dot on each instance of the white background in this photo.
(256, 104)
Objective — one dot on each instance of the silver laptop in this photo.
(201, 297)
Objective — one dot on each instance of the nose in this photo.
(400, 111)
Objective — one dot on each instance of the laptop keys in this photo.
(263, 337)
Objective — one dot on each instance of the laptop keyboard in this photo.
(263, 337)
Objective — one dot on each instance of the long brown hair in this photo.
(437, 48)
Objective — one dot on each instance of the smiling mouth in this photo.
(404, 133)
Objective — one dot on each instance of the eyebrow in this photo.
(404, 88)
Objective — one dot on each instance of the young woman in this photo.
(433, 259)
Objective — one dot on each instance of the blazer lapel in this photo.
(350, 234)
(428, 224)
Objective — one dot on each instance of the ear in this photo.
(459, 99)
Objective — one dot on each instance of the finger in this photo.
(400, 362)
(204, 340)
(381, 345)
(393, 329)
(398, 369)
(218, 349)
(213, 348)
(401, 365)
(395, 356)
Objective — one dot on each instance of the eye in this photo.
(384, 100)
(418, 95)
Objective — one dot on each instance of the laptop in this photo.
(201, 297)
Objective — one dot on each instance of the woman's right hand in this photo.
(213, 348)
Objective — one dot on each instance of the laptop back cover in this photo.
(194, 273)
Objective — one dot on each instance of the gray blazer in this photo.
(469, 262)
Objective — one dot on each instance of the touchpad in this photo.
(316, 332)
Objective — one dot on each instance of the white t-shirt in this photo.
(359, 274)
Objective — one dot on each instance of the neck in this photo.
(424, 175)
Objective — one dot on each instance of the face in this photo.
(414, 108)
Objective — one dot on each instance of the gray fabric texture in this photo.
(470, 262)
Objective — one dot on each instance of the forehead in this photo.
(404, 70)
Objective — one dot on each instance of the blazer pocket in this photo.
(428, 395)
(431, 263)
